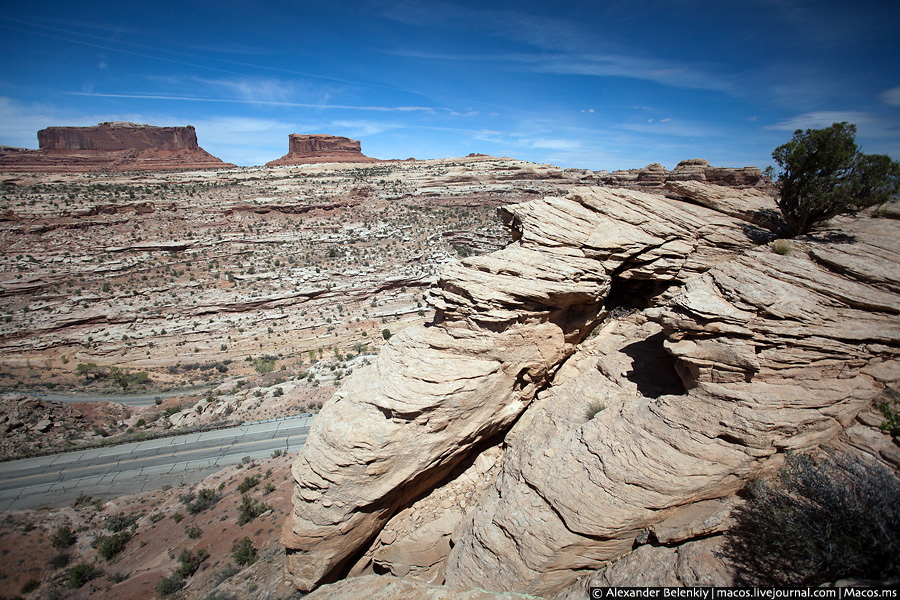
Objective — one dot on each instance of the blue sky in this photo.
(598, 85)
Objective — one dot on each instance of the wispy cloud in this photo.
(819, 119)
(427, 109)
(666, 72)
(673, 128)
(891, 96)
(876, 133)
(364, 128)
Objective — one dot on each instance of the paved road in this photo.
(129, 399)
(141, 466)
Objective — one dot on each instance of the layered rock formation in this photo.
(308, 149)
(694, 169)
(115, 146)
(118, 136)
(501, 448)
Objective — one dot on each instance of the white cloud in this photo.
(426, 109)
(360, 129)
(822, 118)
(891, 96)
(552, 143)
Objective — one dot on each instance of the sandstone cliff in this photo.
(112, 146)
(694, 169)
(308, 149)
(466, 454)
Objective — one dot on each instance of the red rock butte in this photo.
(112, 146)
(317, 148)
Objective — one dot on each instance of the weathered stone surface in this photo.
(307, 149)
(769, 348)
(503, 320)
(416, 541)
(378, 587)
(112, 146)
(755, 206)
(693, 564)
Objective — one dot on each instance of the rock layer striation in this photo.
(308, 149)
(643, 432)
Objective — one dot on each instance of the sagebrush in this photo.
(817, 521)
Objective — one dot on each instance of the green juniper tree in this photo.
(824, 174)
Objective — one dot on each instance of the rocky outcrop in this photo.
(113, 146)
(643, 432)
(504, 322)
(307, 149)
(655, 175)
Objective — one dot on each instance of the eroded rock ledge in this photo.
(465, 454)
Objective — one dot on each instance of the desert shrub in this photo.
(277, 453)
(30, 585)
(781, 246)
(81, 574)
(250, 509)
(247, 483)
(227, 572)
(169, 585)
(594, 407)
(386, 334)
(193, 532)
(889, 405)
(108, 546)
(59, 561)
(190, 562)
(119, 522)
(244, 552)
(818, 521)
(264, 364)
(63, 537)
(204, 499)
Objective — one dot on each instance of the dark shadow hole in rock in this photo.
(653, 369)
(629, 295)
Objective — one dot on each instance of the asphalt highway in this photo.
(59, 479)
